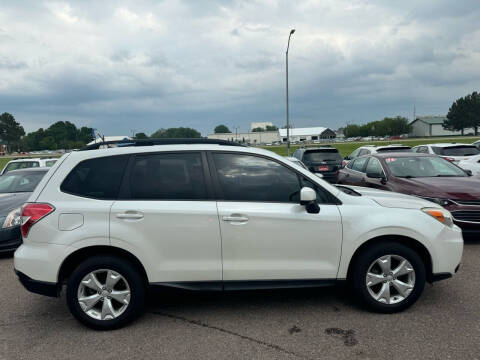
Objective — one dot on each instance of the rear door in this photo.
(167, 215)
(266, 233)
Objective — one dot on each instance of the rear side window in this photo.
(359, 164)
(98, 178)
(21, 165)
(50, 163)
(168, 177)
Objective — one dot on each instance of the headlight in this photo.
(441, 215)
(14, 218)
(442, 202)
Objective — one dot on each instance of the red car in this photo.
(428, 176)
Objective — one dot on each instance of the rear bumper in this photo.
(10, 239)
(39, 287)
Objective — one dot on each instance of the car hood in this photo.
(466, 188)
(392, 199)
(10, 201)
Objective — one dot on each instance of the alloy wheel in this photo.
(103, 294)
(390, 279)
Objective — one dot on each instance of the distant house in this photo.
(424, 126)
(307, 134)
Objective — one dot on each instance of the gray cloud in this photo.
(146, 64)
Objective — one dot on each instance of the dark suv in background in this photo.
(324, 160)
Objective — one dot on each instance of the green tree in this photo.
(180, 132)
(464, 113)
(258, 129)
(271, 128)
(221, 129)
(141, 136)
(10, 130)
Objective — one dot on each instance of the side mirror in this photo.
(382, 177)
(308, 197)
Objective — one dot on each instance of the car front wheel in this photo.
(105, 293)
(388, 277)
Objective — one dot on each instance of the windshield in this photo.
(315, 156)
(422, 166)
(23, 182)
(395, 149)
(461, 150)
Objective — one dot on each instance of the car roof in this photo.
(384, 155)
(32, 169)
(447, 144)
(32, 159)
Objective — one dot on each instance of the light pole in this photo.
(286, 73)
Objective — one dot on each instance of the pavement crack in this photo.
(225, 331)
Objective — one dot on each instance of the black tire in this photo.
(130, 274)
(362, 263)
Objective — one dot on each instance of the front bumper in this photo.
(10, 239)
(39, 287)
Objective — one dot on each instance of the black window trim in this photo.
(219, 195)
(124, 192)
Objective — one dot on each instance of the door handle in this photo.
(130, 215)
(235, 218)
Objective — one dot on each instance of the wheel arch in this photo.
(413, 244)
(78, 256)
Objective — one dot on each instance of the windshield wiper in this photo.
(444, 175)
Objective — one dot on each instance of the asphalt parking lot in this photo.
(289, 324)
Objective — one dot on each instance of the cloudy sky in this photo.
(142, 65)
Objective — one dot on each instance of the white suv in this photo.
(449, 151)
(213, 216)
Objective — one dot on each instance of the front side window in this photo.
(359, 164)
(253, 178)
(168, 176)
(98, 178)
(374, 167)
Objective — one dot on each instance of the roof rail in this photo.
(152, 142)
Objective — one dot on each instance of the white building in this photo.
(307, 134)
(424, 126)
(260, 137)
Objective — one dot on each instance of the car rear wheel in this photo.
(388, 277)
(105, 293)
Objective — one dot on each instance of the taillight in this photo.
(32, 213)
(449, 158)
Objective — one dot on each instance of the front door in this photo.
(266, 233)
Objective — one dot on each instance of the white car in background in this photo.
(449, 151)
(472, 164)
(28, 163)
